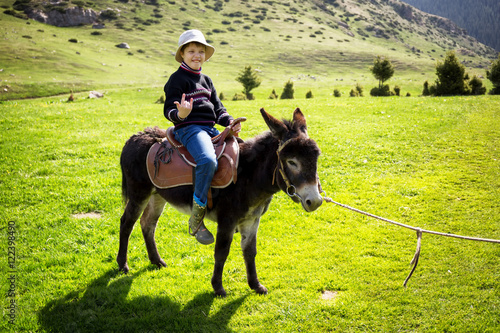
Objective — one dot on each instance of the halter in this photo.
(290, 188)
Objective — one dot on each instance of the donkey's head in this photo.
(296, 171)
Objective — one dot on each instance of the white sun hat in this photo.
(191, 36)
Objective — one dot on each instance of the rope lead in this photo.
(419, 231)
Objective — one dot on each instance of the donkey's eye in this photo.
(292, 163)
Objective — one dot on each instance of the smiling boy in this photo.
(192, 104)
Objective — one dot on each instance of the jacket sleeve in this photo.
(173, 93)
(223, 117)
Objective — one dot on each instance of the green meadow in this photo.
(433, 163)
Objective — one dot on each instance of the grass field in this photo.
(428, 162)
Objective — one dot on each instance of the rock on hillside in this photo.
(69, 17)
(412, 14)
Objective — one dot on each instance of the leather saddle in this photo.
(169, 163)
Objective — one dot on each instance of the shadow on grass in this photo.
(105, 307)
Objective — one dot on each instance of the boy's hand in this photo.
(236, 125)
(236, 128)
(184, 107)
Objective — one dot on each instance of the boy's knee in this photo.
(209, 165)
(212, 164)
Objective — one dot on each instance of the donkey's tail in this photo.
(133, 157)
(124, 187)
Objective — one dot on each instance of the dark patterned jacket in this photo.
(207, 107)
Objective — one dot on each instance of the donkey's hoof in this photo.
(220, 293)
(261, 290)
(124, 268)
(160, 263)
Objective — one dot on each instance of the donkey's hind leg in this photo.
(249, 246)
(133, 210)
(149, 220)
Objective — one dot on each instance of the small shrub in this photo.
(353, 93)
(432, 90)
(239, 97)
(381, 91)
(493, 74)
(426, 91)
(288, 91)
(273, 95)
(96, 33)
(337, 93)
(476, 86)
(309, 94)
(359, 89)
(108, 15)
(21, 14)
(161, 100)
(397, 90)
(221, 96)
(73, 40)
(14, 13)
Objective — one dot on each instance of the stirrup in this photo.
(195, 231)
(204, 236)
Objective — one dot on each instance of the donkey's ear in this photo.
(299, 121)
(276, 126)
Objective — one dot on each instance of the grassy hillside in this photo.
(316, 43)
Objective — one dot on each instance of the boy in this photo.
(192, 104)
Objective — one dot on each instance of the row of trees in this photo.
(452, 79)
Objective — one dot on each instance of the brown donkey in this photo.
(284, 158)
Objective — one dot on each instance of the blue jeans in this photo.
(197, 140)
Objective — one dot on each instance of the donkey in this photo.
(284, 158)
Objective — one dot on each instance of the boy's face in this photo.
(194, 55)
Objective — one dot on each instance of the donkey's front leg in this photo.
(249, 246)
(222, 246)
